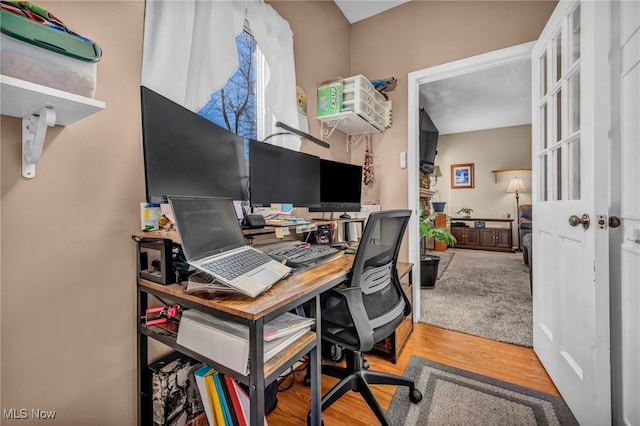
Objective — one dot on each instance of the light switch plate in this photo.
(403, 160)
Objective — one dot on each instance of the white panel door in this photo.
(570, 158)
(626, 319)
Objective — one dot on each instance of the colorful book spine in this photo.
(229, 401)
(235, 400)
(200, 375)
(222, 400)
(215, 400)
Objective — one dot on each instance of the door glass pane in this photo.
(558, 171)
(575, 35)
(543, 126)
(543, 75)
(544, 192)
(574, 103)
(574, 169)
(559, 115)
(557, 46)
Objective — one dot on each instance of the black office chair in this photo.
(367, 308)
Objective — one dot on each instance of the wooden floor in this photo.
(502, 361)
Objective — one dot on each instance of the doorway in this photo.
(416, 79)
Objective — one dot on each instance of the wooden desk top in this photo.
(298, 287)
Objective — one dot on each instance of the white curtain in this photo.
(190, 52)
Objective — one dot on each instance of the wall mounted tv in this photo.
(428, 142)
(281, 175)
(340, 187)
(186, 154)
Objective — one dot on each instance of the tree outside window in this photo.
(234, 106)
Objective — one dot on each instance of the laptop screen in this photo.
(206, 226)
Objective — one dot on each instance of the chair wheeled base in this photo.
(357, 378)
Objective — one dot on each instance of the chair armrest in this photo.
(353, 298)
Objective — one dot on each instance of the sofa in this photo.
(526, 219)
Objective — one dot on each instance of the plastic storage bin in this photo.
(359, 96)
(37, 53)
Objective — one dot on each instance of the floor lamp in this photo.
(516, 185)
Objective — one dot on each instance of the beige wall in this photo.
(68, 263)
(496, 149)
(421, 34)
(322, 51)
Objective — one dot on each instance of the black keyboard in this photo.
(231, 267)
(302, 255)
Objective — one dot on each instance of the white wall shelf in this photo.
(40, 107)
(496, 172)
(349, 123)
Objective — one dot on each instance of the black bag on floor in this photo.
(270, 396)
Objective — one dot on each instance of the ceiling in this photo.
(492, 98)
(357, 10)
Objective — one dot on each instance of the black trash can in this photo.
(428, 270)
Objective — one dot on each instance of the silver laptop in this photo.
(212, 242)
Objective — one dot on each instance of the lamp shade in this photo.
(516, 185)
(436, 171)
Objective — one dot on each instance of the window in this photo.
(235, 106)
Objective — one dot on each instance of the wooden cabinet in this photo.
(465, 236)
(486, 238)
(496, 238)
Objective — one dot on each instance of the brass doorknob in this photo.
(584, 220)
(614, 221)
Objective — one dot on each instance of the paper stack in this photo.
(227, 342)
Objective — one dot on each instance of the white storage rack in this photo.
(364, 111)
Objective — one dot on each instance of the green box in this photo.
(329, 99)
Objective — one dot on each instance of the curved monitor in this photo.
(186, 154)
(340, 187)
(281, 175)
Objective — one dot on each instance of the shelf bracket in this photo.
(354, 140)
(34, 130)
(327, 128)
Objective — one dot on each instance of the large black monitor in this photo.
(340, 187)
(186, 154)
(281, 175)
(428, 142)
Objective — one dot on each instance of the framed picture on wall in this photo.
(462, 176)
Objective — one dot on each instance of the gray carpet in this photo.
(456, 397)
(481, 293)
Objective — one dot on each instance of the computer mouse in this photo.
(340, 246)
(350, 250)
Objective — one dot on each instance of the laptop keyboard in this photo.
(231, 267)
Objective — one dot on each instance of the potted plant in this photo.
(429, 263)
(438, 206)
(465, 211)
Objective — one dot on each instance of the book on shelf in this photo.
(218, 415)
(235, 400)
(200, 375)
(224, 401)
(227, 342)
(245, 402)
(227, 396)
(286, 324)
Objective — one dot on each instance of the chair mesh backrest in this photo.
(374, 268)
